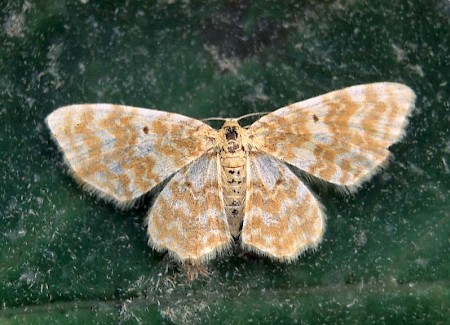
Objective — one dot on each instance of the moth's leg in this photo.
(194, 271)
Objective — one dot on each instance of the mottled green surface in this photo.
(69, 258)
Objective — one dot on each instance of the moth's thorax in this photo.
(232, 147)
(232, 144)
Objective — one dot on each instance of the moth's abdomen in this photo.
(234, 175)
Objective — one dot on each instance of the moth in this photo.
(233, 184)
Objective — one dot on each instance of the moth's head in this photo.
(231, 135)
(231, 129)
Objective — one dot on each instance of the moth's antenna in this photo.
(214, 119)
(237, 119)
(251, 114)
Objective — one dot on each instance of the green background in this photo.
(67, 257)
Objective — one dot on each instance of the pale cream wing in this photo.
(188, 217)
(121, 152)
(282, 217)
(341, 137)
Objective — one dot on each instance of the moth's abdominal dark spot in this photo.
(232, 172)
(145, 129)
(315, 118)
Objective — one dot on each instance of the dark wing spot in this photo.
(145, 129)
(315, 118)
